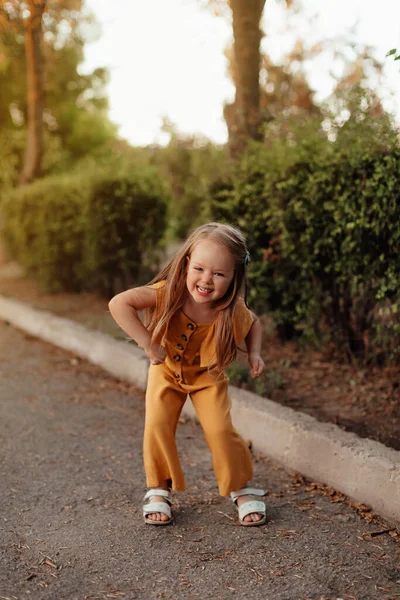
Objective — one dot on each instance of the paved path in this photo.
(71, 489)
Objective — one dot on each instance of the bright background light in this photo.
(166, 58)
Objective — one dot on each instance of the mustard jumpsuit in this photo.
(190, 347)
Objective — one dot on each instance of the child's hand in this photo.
(156, 353)
(257, 365)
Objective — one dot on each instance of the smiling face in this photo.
(211, 268)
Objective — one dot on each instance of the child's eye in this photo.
(198, 269)
(220, 274)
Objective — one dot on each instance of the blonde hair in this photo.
(172, 295)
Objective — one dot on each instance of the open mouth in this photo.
(203, 291)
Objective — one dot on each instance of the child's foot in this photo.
(158, 498)
(251, 510)
(156, 516)
(252, 516)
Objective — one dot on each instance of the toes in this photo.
(154, 516)
(157, 517)
(252, 517)
(247, 519)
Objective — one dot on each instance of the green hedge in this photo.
(93, 231)
(340, 248)
(322, 222)
(191, 168)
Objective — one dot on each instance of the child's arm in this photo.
(123, 308)
(253, 345)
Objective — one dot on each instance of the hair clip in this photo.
(247, 258)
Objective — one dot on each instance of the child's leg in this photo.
(231, 455)
(164, 402)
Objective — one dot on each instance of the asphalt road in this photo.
(72, 482)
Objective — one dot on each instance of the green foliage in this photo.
(43, 228)
(393, 52)
(127, 217)
(11, 148)
(191, 167)
(238, 374)
(75, 110)
(338, 241)
(91, 231)
(266, 385)
(85, 132)
(321, 218)
(246, 201)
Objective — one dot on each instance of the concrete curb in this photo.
(362, 469)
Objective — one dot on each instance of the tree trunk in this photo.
(245, 121)
(33, 42)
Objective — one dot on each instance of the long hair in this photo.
(173, 292)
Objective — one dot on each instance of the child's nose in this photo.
(207, 277)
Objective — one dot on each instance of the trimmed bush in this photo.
(86, 232)
(321, 221)
(339, 247)
(44, 229)
(127, 219)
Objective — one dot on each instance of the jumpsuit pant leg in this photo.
(230, 453)
(164, 403)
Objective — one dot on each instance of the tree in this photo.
(246, 15)
(283, 89)
(267, 92)
(71, 100)
(243, 115)
(34, 67)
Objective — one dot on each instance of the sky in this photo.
(166, 58)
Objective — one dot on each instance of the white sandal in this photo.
(252, 506)
(157, 507)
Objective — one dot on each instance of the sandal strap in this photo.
(246, 492)
(157, 492)
(253, 506)
(157, 507)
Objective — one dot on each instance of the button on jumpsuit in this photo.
(190, 347)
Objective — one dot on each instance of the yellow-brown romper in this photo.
(190, 347)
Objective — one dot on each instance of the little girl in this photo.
(194, 321)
